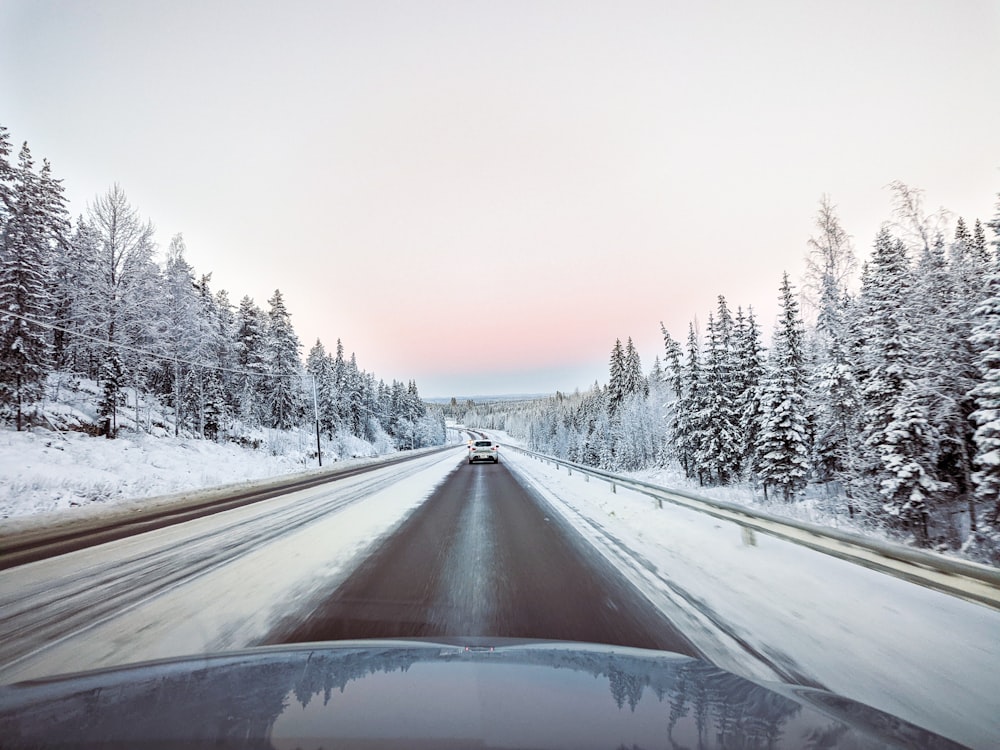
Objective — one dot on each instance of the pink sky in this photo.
(483, 196)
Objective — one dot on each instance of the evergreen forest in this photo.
(88, 300)
(887, 400)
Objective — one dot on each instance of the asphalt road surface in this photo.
(485, 557)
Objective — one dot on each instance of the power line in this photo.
(144, 352)
(165, 358)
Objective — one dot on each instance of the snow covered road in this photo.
(768, 611)
(482, 558)
(210, 584)
(777, 611)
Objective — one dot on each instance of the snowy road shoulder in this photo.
(54, 477)
(775, 610)
(235, 603)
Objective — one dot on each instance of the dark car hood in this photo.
(495, 693)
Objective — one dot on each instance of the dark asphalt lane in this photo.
(485, 557)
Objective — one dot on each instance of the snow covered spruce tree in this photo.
(223, 379)
(401, 426)
(634, 382)
(6, 177)
(76, 342)
(749, 375)
(354, 399)
(31, 217)
(72, 267)
(690, 432)
(984, 541)
(207, 400)
(657, 407)
(720, 452)
(112, 380)
(633, 425)
(712, 417)
(783, 448)
(252, 360)
(897, 439)
(948, 287)
(994, 224)
(340, 380)
(372, 417)
(917, 366)
(674, 379)
(591, 423)
(319, 365)
(178, 329)
(616, 380)
(283, 385)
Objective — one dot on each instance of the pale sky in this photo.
(483, 196)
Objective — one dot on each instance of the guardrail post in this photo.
(614, 488)
(569, 471)
(586, 477)
(749, 538)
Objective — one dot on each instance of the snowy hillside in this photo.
(47, 472)
(64, 469)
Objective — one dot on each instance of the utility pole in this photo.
(319, 448)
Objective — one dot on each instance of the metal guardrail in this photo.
(968, 580)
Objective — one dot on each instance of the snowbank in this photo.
(773, 610)
(50, 474)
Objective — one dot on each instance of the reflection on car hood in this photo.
(494, 693)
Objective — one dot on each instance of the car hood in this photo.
(483, 693)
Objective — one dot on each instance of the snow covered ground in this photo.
(774, 610)
(178, 591)
(58, 471)
(49, 476)
(47, 473)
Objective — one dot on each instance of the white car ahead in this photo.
(484, 450)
